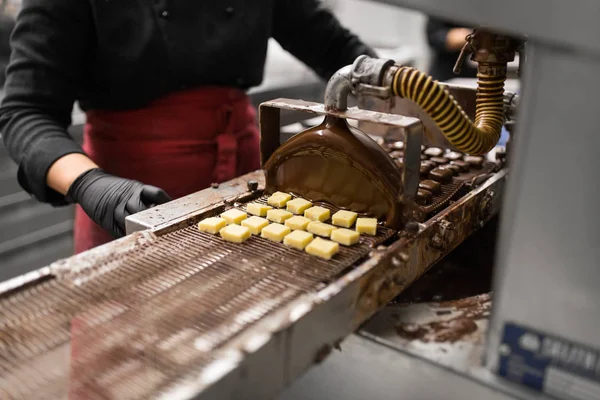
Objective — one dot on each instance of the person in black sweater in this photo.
(446, 40)
(7, 24)
(163, 84)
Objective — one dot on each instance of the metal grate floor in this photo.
(131, 325)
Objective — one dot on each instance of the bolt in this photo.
(437, 241)
(412, 227)
(404, 257)
(252, 185)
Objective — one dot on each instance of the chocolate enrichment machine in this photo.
(172, 312)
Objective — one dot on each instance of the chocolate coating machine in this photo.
(228, 330)
(172, 312)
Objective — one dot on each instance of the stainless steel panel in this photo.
(549, 257)
(367, 369)
(572, 24)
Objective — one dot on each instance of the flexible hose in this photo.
(472, 138)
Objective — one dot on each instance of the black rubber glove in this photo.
(107, 199)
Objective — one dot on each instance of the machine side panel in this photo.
(549, 258)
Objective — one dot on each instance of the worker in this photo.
(7, 24)
(163, 85)
(446, 41)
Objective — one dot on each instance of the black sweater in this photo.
(123, 54)
(6, 26)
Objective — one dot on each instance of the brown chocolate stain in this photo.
(469, 311)
(338, 164)
(451, 331)
(460, 284)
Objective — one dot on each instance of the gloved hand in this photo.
(107, 199)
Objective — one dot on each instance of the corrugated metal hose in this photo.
(475, 138)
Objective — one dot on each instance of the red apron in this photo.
(181, 143)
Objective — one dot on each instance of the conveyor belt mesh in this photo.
(132, 324)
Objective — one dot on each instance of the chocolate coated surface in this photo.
(338, 164)
(474, 161)
(433, 152)
(423, 197)
(464, 166)
(439, 160)
(431, 186)
(398, 145)
(454, 168)
(453, 156)
(442, 175)
(425, 168)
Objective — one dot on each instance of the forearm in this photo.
(66, 169)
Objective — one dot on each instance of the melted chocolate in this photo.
(338, 164)
(431, 186)
(442, 175)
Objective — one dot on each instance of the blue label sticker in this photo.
(549, 364)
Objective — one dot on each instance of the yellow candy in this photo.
(279, 216)
(298, 239)
(344, 236)
(235, 233)
(322, 248)
(255, 224)
(317, 213)
(321, 229)
(279, 199)
(275, 232)
(344, 218)
(212, 225)
(260, 210)
(234, 216)
(298, 206)
(367, 226)
(297, 223)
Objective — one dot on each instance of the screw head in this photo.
(252, 185)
